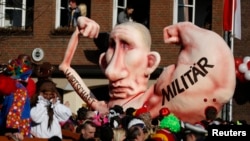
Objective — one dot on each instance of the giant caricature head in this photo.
(128, 61)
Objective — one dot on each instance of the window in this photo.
(16, 14)
(62, 12)
(140, 14)
(198, 12)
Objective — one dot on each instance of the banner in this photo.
(232, 17)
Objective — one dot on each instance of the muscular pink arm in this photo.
(204, 74)
(88, 28)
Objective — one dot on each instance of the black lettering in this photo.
(77, 87)
(202, 63)
(184, 82)
(196, 72)
(180, 90)
(189, 77)
(174, 88)
(168, 93)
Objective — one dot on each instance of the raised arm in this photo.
(203, 76)
(87, 28)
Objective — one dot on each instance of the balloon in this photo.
(238, 61)
(240, 76)
(243, 68)
(247, 75)
(248, 65)
(246, 59)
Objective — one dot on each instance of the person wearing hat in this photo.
(169, 127)
(194, 132)
(17, 88)
(163, 135)
(136, 130)
(48, 112)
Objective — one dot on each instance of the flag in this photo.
(227, 15)
(237, 20)
(232, 17)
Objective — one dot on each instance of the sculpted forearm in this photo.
(69, 53)
(86, 28)
(72, 76)
(79, 86)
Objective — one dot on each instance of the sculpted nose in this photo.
(116, 68)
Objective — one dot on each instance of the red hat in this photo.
(164, 111)
(163, 135)
(140, 111)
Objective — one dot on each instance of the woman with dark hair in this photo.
(48, 112)
(126, 15)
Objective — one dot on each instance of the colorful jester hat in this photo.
(20, 68)
(169, 121)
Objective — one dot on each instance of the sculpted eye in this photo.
(112, 43)
(125, 45)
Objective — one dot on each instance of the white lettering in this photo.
(216, 132)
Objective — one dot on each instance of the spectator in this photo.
(83, 9)
(194, 132)
(70, 124)
(84, 114)
(76, 9)
(54, 138)
(119, 134)
(81, 115)
(115, 122)
(16, 136)
(135, 133)
(87, 130)
(106, 133)
(136, 130)
(115, 115)
(72, 13)
(126, 15)
(125, 120)
(17, 87)
(162, 135)
(169, 126)
(130, 111)
(48, 112)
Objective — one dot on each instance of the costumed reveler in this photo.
(16, 87)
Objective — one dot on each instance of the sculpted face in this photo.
(128, 61)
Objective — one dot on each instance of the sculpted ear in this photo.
(154, 59)
(102, 61)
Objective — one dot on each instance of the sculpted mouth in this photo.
(118, 89)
